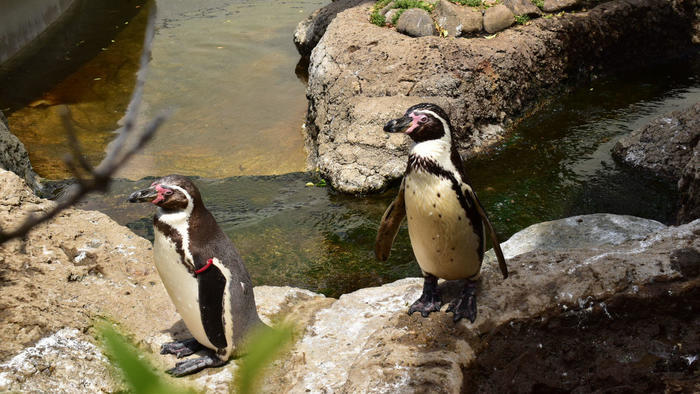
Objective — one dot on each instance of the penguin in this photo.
(202, 272)
(447, 224)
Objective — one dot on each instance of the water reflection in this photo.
(226, 68)
(96, 89)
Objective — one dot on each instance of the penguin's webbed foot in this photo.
(430, 300)
(182, 348)
(194, 365)
(465, 304)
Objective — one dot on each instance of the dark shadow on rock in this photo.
(178, 331)
(632, 344)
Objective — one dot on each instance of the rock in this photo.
(416, 22)
(13, 155)
(689, 189)
(457, 20)
(669, 147)
(310, 30)
(365, 341)
(559, 5)
(65, 361)
(446, 18)
(664, 146)
(498, 18)
(471, 19)
(479, 82)
(579, 232)
(522, 7)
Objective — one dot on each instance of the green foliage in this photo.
(406, 4)
(402, 5)
(538, 3)
(470, 3)
(377, 19)
(263, 346)
(138, 373)
(522, 19)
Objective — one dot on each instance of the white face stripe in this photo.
(178, 221)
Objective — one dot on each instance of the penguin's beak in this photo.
(399, 125)
(145, 195)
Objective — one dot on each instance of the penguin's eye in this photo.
(422, 119)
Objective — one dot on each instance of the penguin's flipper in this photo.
(389, 226)
(194, 365)
(182, 348)
(492, 234)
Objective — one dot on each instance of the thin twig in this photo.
(118, 153)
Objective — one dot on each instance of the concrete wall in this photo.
(21, 21)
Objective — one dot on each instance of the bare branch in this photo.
(118, 153)
(73, 141)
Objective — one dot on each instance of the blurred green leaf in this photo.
(138, 373)
(263, 346)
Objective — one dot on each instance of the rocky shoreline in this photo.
(669, 148)
(572, 277)
(14, 157)
(361, 74)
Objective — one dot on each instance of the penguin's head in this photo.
(422, 122)
(171, 193)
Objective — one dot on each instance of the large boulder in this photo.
(361, 75)
(498, 18)
(416, 22)
(664, 146)
(669, 147)
(365, 341)
(13, 155)
(689, 188)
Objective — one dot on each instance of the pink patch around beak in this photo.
(161, 191)
(414, 124)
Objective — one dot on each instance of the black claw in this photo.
(430, 300)
(181, 348)
(465, 304)
(194, 365)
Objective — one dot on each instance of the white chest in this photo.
(442, 237)
(181, 286)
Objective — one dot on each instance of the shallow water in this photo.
(555, 163)
(225, 69)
